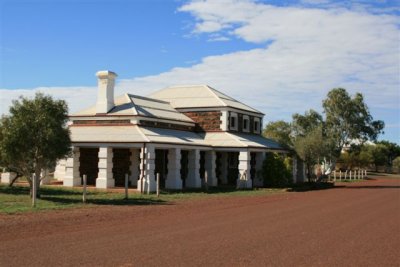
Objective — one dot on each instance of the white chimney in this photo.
(105, 95)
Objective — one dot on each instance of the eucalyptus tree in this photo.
(34, 135)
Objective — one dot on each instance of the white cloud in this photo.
(304, 52)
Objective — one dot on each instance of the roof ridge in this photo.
(212, 92)
(133, 104)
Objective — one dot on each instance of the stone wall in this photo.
(206, 120)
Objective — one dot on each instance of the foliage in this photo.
(349, 119)
(275, 172)
(396, 164)
(314, 137)
(393, 150)
(34, 136)
(280, 131)
(302, 125)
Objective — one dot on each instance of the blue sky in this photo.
(281, 57)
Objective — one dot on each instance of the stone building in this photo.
(184, 133)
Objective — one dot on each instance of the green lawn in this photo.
(16, 199)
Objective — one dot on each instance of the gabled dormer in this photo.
(212, 110)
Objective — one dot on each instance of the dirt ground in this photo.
(356, 224)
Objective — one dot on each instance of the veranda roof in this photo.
(226, 140)
(140, 134)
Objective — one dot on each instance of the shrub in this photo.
(275, 172)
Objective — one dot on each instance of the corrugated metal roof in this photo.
(128, 104)
(226, 139)
(160, 135)
(200, 96)
(100, 134)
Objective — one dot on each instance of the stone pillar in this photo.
(210, 165)
(105, 176)
(134, 168)
(7, 177)
(294, 169)
(244, 179)
(224, 167)
(193, 179)
(72, 175)
(148, 182)
(259, 181)
(59, 172)
(174, 180)
(45, 178)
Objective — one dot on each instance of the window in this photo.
(246, 123)
(257, 125)
(233, 121)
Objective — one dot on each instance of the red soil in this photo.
(354, 225)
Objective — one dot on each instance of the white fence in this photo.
(347, 175)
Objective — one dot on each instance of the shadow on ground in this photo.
(106, 201)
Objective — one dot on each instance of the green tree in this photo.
(280, 131)
(379, 155)
(34, 136)
(393, 150)
(348, 119)
(302, 125)
(396, 164)
(312, 148)
(275, 172)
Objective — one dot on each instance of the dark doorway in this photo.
(218, 163)
(184, 166)
(252, 165)
(202, 169)
(233, 167)
(89, 164)
(121, 164)
(161, 163)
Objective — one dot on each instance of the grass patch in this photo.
(16, 199)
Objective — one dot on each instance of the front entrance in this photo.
(161, 167)
(233, 167)
(121, 164)
(88, 164)
(184, 166)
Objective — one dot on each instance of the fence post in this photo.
(340, 175)
(84, 188)
(334, 175)
(206, 180)
(34, 185)
(126, 186)
(158, 184)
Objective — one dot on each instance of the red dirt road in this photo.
(356, 225)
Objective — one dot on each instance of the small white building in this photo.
(184, 133)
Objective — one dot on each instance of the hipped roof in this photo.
(199, 96)
(134, 105)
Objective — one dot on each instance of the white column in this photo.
(224, 167)
(59, 172)
(148, 181)
(105, 176)
(209, 166)
(294, 169)
(258, 181)
(193, 179)
(7, 177)
(134, 167)
(174, 180)
(244, 179)
(72, 176)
